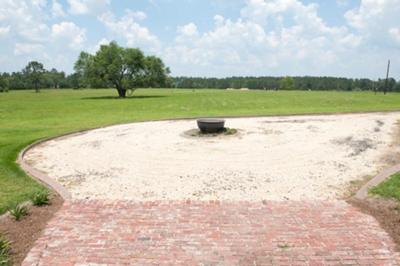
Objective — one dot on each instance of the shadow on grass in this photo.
(134, 97)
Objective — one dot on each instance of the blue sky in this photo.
(349, 38)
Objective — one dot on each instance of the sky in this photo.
(203, 38)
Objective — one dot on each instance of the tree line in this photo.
(126, 69)
(288, 83)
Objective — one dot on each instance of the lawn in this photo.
(26, 116)
(389, 188)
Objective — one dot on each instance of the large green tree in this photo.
(155, 73)
(34, 73)
(123, 68)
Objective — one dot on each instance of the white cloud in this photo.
(128, 28)
(374, 15)
(187, 33)
(39, 3)
(4, 31)
(377, 22)
(228, 47)
(29, 35)
(27, 48)
(70, 32)
(139, 15)
(289, 37)
(395, 34)
(28, 22)
(260, 10)
(77, 7)
(57, 9)
(188, 29)
(82, 7)
(350, 40)
(269, 37)
(273, 13)
(25, 19)
(37, 33)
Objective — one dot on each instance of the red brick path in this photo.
(212, 233)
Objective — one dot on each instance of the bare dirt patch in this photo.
(356, 145)
(24, 233)
(386, 212)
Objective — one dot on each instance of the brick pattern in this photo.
(212, 233)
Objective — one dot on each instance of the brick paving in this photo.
(212, 233)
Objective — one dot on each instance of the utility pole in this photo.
(387, 78)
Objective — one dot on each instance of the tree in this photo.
(54, 79)
(34, 73)
(286, 83)
(155, 73)
(4, 82)
(396, 87)
(73, 81)
(84, 70)
(123, 68)
(391, 84)
(386, 85)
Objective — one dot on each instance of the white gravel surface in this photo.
(272, 158)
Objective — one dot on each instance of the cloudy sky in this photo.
(350, 38)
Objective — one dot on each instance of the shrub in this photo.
(18, 212)
(230, 131)
(4, 250)
(41, 198)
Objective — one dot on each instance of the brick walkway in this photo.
(212, 233)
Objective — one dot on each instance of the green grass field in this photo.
(389, 188)
(26, 116)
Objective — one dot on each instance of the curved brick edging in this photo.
(66, 195)
(362, 193)
(40, 176)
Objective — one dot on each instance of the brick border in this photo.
(40, 176)
(361, 194)
(44, 179)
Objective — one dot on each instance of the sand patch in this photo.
(273, 158)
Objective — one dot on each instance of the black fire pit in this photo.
(210, 125)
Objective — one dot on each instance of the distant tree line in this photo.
(287, 83)
(30, 77)
(57, 79)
